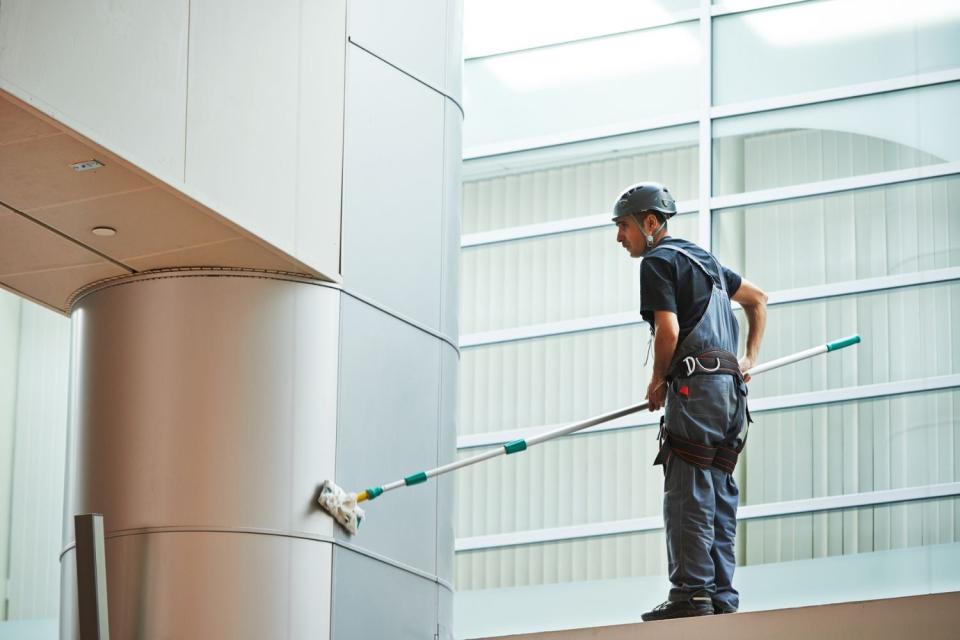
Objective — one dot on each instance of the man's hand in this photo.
(754, 303)
(746, 363)
(664, 344)
(656, 394)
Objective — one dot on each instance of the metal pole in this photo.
(91, 577)
(517, 446)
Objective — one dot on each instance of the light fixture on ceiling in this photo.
(104, 232)
(86, 165)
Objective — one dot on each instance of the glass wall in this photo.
(826, 44)
(841, 139)
(546, 185)
(821, 163)
(34, 372)
(893, 442)
(867, 233)
(587, 85)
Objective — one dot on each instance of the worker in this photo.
(685, 297)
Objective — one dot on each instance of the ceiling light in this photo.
(104, 232)
(87, 165)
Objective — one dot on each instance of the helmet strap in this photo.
(655, 233)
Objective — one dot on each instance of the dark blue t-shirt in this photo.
(670, 281)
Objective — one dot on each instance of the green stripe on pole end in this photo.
(416, 478)
(843, 342)
(373, 493)
(515, 446)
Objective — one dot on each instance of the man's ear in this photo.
(648, 226)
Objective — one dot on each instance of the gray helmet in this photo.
(643, 197)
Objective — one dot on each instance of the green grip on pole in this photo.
(843, 342)
(374, 492)
(416, 478)
(515, 446)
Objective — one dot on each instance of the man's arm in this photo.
(667, 332)
(754, 303)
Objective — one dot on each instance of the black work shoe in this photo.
(719, 609)
(697, 605)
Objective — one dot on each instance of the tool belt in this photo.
(711, 362)
(726, 363)
(699, 455)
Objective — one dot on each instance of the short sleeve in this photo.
(733, 280)
(658, 288)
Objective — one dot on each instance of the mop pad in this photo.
(342, 505)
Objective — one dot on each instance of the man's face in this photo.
(631, 236)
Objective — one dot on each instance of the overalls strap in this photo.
(671, 247)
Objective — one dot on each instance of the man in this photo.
(685, 297)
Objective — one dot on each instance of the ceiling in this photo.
(48, 211)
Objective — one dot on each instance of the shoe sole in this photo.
(685, 614)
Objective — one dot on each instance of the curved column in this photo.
(203, 416)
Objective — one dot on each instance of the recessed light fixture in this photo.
(86, 165)
(105, 232)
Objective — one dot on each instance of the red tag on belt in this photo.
(684, 391)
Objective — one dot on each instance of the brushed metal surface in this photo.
(392, 159)
(205, 400)
(213, 586)
(374, 601)
(447, 452)
(388, 422)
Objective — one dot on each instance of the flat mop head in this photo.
(341, 505)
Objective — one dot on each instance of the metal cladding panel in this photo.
(210, 585)
(388, 429)
(203, 399)
(322, 68)
(452, 189)
(411, 35)
(444, 613)
(241, 116)
(264, 120)
(446, 484)
(392, 189)
(454, 78)
(372, 599)
(106, 69)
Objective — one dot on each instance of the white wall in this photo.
(239, 104)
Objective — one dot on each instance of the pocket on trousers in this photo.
(701, 407)
(709, 396)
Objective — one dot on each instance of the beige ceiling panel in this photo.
(238, 252)
(44, 265)
(26, 247)
(148, 223)
(54, 288)
(47, 248)
(37, 173)
(16, 125)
